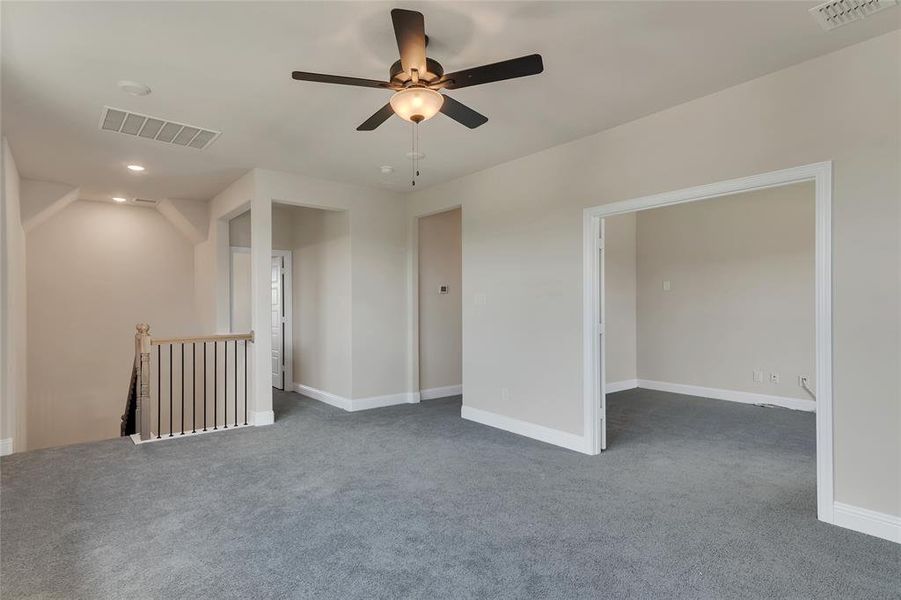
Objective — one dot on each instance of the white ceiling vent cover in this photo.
(841, 12)
(153, 128)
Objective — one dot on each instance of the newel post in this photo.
(142, 367)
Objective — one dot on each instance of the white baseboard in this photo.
(6, 446)
(382, 401)
(441, 392)
(355, 404)
(612, 387)
(730, 395)
(327, 397)
(881, 525)
(262, 417)
(570, 441)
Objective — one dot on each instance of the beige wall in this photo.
(377, 222)
(94, 271)
(13, 311)
(620, 296)
(522, 243)
(321, 300)
(741, 272)
(319, 242)
(240, 290)
(440, 315)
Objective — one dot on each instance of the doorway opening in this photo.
(596, 350)
(440, 304)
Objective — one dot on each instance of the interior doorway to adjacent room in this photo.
(440, 302)
(743, 285)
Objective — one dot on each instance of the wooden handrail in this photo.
(217, 337)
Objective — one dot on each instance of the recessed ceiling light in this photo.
(135, 168)
(386, 169)
(119, 199)
(134, 88)
(416, 155)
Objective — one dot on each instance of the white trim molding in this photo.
(137, 441)
(441, 392)
(620, 386)
(6, 446)
(870, 522)
(326, 397)
(593, 342)
(382, 401)
(729, 395)
(262, 417)
(570, 441)
(355, 404)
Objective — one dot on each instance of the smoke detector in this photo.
(841, 12)
(134, 88)
(154, 128)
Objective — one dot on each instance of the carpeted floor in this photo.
(694, 499)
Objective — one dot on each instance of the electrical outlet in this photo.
(757, 376)
(774, 377)
(803, 381)
(667, 286)
(505, 394)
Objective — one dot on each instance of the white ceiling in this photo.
(227, 66)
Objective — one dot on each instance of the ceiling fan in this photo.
(416, 79)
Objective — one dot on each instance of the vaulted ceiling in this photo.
(227, 66)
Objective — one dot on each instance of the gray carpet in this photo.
(694, 499)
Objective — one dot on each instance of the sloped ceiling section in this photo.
(40, 200)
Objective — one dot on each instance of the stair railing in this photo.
(180, 386)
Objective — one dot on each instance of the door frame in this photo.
(287, 303)
(288, 298)
(593, 351)
(413, 383)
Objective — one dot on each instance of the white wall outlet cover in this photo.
(774, 377)
(667, 286)
(757, 376)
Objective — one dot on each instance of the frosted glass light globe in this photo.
(416, 104)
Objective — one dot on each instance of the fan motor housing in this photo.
(399, 77)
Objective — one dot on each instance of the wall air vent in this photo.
(154, 128)
(841, 12)
(145, 202)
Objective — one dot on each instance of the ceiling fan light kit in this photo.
(416, 104)
(416, 80)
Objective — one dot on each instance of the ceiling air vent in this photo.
(153, 128)
(146, 202)
(841, 12)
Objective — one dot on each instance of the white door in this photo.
(602, 340)
(278, 323)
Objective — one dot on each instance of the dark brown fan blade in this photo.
(409, 29)
(461, 113)
(507, 69)
(377, 119)
(338, 79)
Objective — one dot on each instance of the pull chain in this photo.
(414, 154)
